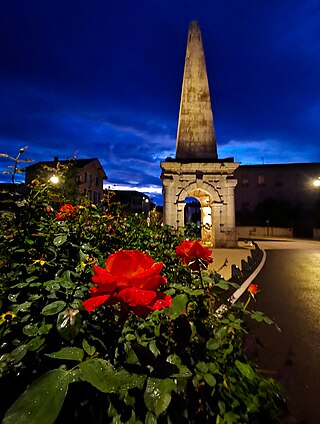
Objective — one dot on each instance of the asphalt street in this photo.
(290, 295)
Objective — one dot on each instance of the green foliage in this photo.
(59, 363)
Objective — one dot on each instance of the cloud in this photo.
(252, 152)
(103, 79)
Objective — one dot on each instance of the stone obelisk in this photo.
(196, 170)
(196, 136)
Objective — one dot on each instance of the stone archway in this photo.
(213, 186)
(205, 200)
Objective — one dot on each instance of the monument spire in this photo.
(196, 136)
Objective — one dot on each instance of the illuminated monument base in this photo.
(212, 184)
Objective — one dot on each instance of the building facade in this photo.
(86, 176)
(282, 195)
(133, 201)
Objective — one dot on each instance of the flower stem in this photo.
(247, 303)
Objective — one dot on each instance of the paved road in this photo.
(290, 294)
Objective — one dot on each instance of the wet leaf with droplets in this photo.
(68, 353)
(101, 374)
(41, 402)
(157, 396)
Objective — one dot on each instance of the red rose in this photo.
(131, 278)
(194, 254)
(65, 211)
(253, 289)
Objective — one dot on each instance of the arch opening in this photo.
(192, 217)
(198, 214)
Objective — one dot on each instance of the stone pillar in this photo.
(206, 221)
(216, 233)
(180, 214)
(169, 205)
(230, 215)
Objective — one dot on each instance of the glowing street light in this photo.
(54, 179)
(316, 182)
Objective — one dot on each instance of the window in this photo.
(97, 181)
(261, 181)
(85, 177)
(89, 194)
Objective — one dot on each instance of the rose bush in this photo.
(133, 358)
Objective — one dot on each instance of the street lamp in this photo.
(54, 179)
(316, 182)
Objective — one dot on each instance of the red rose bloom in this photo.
(253, 289)
(131, 278)
(194, 254)
(65, 211)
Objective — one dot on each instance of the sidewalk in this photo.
(233, 256)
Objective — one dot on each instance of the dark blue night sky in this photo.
(102, 78)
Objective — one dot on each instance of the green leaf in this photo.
(178, 306)
(60, 240)
(41, 402)
(129, 381)
(18, 353)
(245, 370)
(90, 350)
(51, 285)
(35, 343)
(45, 328)
(202, 366)
(69, 353)
(101, 374)
(184, 372)
(150, 418)
(30, 279)
(13, 297)
(222, 285)
(260, 316)
(157, 395)
(30, 330)
(54, 307)
(213, 344)
(210, 380)
(65, 279)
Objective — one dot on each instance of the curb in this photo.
(232, 299)
(239, 292)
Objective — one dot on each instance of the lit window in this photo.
(261, 180)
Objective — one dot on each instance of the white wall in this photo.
(252, 232)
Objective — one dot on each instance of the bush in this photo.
(133, 358)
